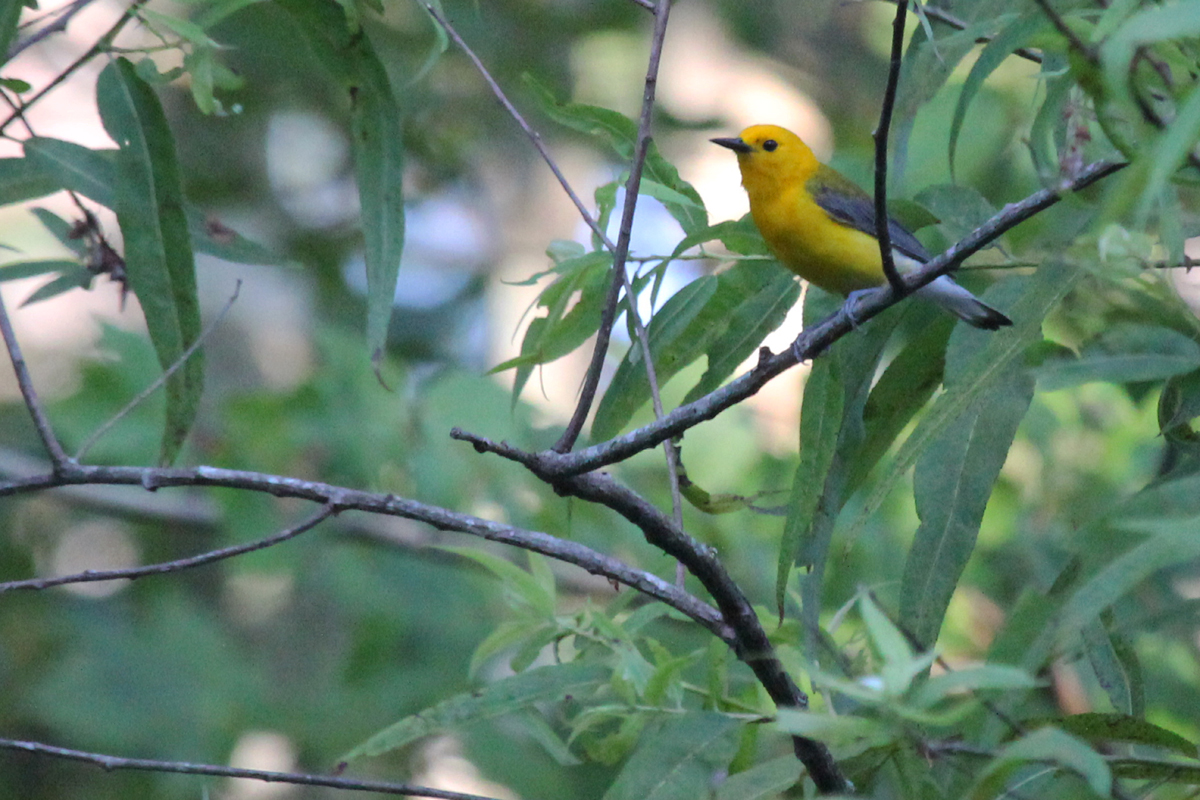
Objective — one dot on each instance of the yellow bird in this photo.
(821, 225)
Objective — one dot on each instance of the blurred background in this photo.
(287, 658)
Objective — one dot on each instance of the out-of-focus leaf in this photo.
(952, 484)
(972, 679)
(959, 209)
(678, 334)
(77, 278)
(1116, 668)
(620, 132)
(10, 14)
(1151, 769)
(24, 179)
(531, 592)
(493, 700)
(821, 414)
(1045, 746)
(378, 151)
(996, 52)
(1171, 543)
(212, 237)
(677, 759)
(1051, 283)
(158, 248)
(31, 269)
(1124, 353)
(1099, 728)
(61, 230)
(91, 173)
(766, 780)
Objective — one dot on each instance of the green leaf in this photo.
(1124, 353)
(10, 15)
(752, 300)
(821, 415)
(762, 781)
(678, 334)
(972, 679)
(1001, 349)
(959, 209)
(1100, 728)
(1171, 543)
(505, 696)
(91, 173)
(1116, 667)
(563, 329)
(525, 587)
(841, 731)
(952, 484)
(78, 278)
(378, 147)
(31, 269)
(183, 28)
(677, 759)
(158, 248)
(681, 200)
(1045, 746)
(63, 231)
(1151, 769)
(995, 53)
(24, 179)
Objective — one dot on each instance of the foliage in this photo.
(983, 567)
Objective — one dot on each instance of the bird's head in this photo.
(768, 153)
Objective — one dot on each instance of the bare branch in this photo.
(533, 135)
(812, 342)
(62, 16)
(751, 644)
(608, 317)
(345, 499)
(882, 233)
(41, 421)
(946, 18)
(132, 573)
(110, 763)
(103, 42)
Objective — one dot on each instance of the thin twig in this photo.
(110, 763)
(162, 568)
(946, 18)
(533, 135)
(1065, 30)
(91, 53)
(58, 457)
(59, 25)
(882, 131)
(809, 344)
(161, 379)
(608, 317)
(153, 478)
(640, 330)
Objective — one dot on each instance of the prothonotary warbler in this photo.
(821, 225)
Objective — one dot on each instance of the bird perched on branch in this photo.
(821, 225)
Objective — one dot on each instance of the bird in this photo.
(821, 225)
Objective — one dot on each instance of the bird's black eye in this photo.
(769, 145)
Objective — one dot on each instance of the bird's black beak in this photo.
(734, 143)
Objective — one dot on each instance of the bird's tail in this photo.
(962, 304)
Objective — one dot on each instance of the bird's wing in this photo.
(845, 202)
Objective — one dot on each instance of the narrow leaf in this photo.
(677, 759)
(158, 249)
(496, 699)
(24, 179)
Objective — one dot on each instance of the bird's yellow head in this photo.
(768, 154)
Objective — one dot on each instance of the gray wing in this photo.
(851, 206)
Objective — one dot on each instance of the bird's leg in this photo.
(851, 301)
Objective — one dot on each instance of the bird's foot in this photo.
(852, 300)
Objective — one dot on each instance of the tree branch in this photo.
(132, 573)
(751, 643)
(41, 421)
(608, 317)
(110, 763)
(882, 233)
(809, 344)
(345, 499)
